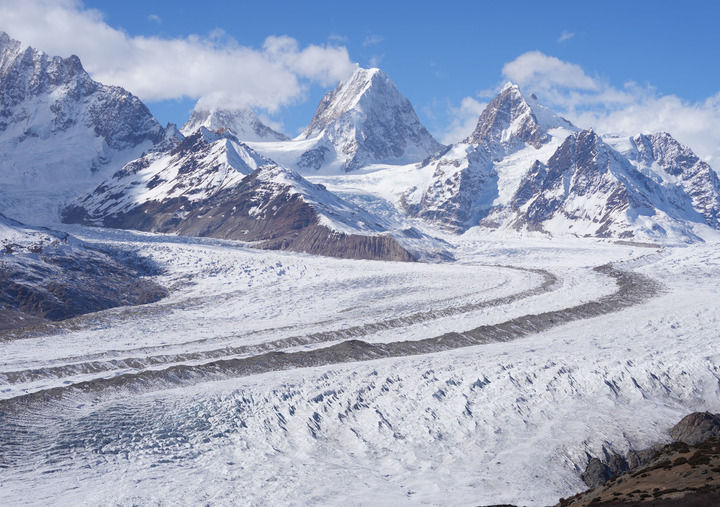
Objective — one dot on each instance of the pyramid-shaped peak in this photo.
(366, 120)
(512, 120)
(242, 122)
(356, 93)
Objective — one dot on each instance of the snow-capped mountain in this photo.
(60, 130)
(664, 159)
(211, 184)
(365, 120)
(512, 121)
(589, 189)
(463, 183)
(243, 123)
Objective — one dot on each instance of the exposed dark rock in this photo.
(696, 427)
(596, 473)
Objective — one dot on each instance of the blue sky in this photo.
(598, 62)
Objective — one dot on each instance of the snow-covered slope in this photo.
(672, 164)
(462, 184)
(60, 131)
(47, 275)
(588, 188)
(244, 123)
(365, 120)
(210, 184)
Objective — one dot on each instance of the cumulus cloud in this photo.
(464, 119)
(628, 110)
(213, 68)
(547, 72)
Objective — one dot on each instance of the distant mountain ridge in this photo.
(243, 123)
(96, 153)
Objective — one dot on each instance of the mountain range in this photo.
(365, 179)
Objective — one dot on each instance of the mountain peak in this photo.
(512, 120)
(244, 123)
(347, 96)
(366, 120)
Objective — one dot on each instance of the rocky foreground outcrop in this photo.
(683, 473)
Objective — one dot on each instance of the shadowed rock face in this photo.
(51, 279)
(510, 121)
(587, 181)
(117, 116)
(694, 175)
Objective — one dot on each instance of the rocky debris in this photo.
(366, 120)
(662, 474)
(633, 288)
(696, 427)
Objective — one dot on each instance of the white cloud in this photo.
(565, 35)
(155, 18)
(547, 72)
(213, 68)
(464, 119)
(629, 110)
(372, 40)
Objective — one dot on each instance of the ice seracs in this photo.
(60, 130)
(243, 123)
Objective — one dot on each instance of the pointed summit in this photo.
(512, 120)
(244, 123)
(366, 120)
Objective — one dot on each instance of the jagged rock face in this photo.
(58, 127)
(510, 121)
(210, 184)
(243, 123)
(589, 183)
(464, 184)
(463, 188)
(366, 120)
(685, 169)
